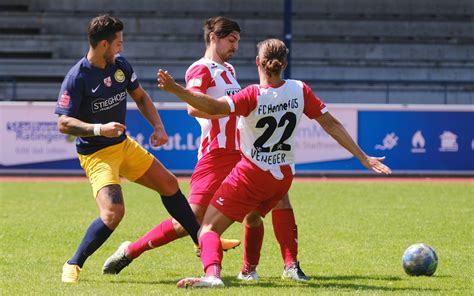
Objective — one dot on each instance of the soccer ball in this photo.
(419, 259)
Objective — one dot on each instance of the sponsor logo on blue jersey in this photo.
(106, 104)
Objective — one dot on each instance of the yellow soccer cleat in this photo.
(226, 244)
(70, 273)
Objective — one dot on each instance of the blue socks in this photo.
(97, 233)
(178, 207)
(95, 236)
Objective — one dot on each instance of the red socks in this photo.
(162, 234)
(253, 240)
(211, 253)
(286, 233)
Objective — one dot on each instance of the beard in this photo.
(227, 56)
(109, 58)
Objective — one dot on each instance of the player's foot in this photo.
(248, 276)
(204, 282)
(226, 244)
(197, 250)
(118, 261)
(294, 272)
(248, 273)
(70, 273)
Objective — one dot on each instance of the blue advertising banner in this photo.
(412, 141)
(415, 139)
(419, 141)
(180, 153)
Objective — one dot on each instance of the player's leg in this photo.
(167, 231)
(158, 178)
(214, 224)
(204, 182)
(209, 173)
(102, 169)
(141, 167)
(253, 240)
(162, 234)
(244, 189)
(286, 233)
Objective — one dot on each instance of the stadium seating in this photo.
(362, 51)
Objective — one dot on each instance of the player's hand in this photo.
(166, 82)
(375, 164)
(112, 129)
(158, 137)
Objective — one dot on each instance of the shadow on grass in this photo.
(319, 282)
(316, 282)
(356, 277)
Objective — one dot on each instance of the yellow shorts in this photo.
(105, 167)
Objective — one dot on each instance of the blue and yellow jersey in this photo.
(96, 95)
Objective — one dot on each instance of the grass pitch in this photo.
(351, 240)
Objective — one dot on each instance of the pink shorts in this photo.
(249, 188)
(209, 173)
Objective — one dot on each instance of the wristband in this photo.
(97, 129)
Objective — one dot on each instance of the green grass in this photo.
(351, 239)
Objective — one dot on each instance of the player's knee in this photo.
(112, 217)
(284, 203)
(170, 185)
(179, 229)
(205, 228)
(253, 219)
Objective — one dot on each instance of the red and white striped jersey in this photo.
(269, 117)
(215, 80)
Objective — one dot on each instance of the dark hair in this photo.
(273, 55)
(103, 27)
(221, 26)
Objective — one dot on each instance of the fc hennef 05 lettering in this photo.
(270, 108)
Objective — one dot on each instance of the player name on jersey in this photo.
(268, 158)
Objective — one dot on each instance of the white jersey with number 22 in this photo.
(270, 116)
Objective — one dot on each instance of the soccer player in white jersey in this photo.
(219, 151)
(218, 154)
(269, 112)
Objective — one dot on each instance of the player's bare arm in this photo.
(336, 130)
(197, 100)
(75, 127)
(147, 108)
(200, 114)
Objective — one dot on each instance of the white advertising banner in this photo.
(29, 134)
(313, 144)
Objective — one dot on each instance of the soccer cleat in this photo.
(70, 273)
(248, 273)
(248, 276)
(226, 244)
(118, 261)
(204, 282)
(294, 272)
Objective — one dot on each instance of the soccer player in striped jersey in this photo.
(270, 113)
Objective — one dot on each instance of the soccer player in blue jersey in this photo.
(92, 106)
